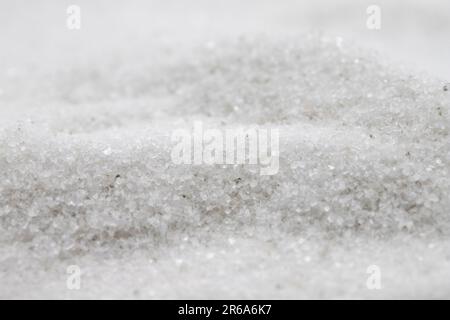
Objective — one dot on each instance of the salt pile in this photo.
(363, 177)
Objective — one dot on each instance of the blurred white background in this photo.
(416, 32)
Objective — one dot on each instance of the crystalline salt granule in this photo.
(363, 177)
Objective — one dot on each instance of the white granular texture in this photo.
(87, 177)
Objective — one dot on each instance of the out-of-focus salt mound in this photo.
(364, 149)
(262, 81)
